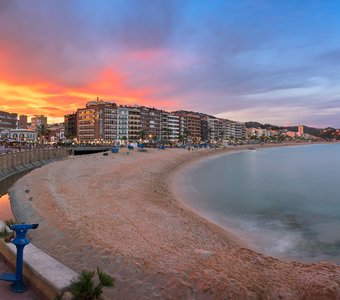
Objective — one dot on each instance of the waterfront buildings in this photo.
(213, 129)
(70, 124)
(86, 130)
(106, 122)
(93, 121)
(190, 126)
(16, 130)
(23, 135)
(134, 126)
(55, 133)
(38, 122)
(223, 130)
(110, 122)
(8, 120)
(150, 123)
(22, 123)
(122, 124)
(169, 127)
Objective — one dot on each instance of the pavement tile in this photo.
(7, 294)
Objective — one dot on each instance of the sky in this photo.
(268, 61)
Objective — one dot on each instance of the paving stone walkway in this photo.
(7, 294)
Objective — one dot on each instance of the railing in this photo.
(21, 159)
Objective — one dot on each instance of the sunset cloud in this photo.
(214, 57)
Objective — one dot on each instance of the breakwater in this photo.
(15, 162)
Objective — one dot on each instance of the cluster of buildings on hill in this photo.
(266, 134)
(107, 122)
(103, 121)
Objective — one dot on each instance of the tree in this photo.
(209, 132)
(43, 133)
(222, 135)
(186, 134)
(142, 135)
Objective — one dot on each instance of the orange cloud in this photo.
(55, 101)
(31, 83)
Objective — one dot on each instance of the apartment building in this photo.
(182, 122)
(70, 124)
(134, 127)
(215, 131)
(169, 127)
(38, 122)
(225, 129)
(164, 136)
(8, 120)
(150, 122)
(189, 126)
(110, 123)
(173, 127)
(22, 123)
(91, 121)
(122, 124)
(240, 130)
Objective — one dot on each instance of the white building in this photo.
(173, 126)
(110, 124)
(122, 124)
(23, 135)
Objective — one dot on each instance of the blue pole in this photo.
(18, 286)
(20, 241)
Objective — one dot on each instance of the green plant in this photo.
(86, 287)
(58, 297)
(6, 234)
(9, 222)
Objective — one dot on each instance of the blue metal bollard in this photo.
(20, 241)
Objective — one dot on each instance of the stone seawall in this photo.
(12, 163)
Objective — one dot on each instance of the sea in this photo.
(283, 202)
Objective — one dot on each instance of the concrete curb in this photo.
(43, 273)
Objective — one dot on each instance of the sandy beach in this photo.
(120, 213)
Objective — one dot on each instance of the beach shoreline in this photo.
(126, 220)
(279, 243)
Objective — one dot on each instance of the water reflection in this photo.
(5, 206)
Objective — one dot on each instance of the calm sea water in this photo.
(283, 202)
(5, 205)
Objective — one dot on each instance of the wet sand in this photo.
(119, 212)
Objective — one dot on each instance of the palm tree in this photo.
(142, 135)
(43, 133)
(86, 288)
(222, 134)
(187, 134)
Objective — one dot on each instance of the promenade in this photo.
(5, 291)
(13, 162)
